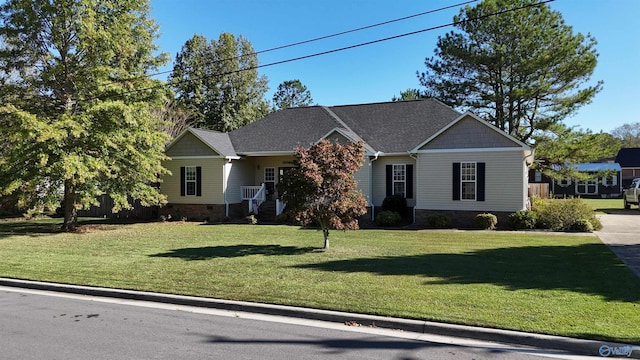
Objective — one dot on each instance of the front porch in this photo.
(258, 197)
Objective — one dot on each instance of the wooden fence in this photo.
(540, 190)
(106, 204)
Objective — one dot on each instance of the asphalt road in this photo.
(46, 325)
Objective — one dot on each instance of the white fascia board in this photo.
(267, 153)
(476, 150)
(196, 157)
(382, 154)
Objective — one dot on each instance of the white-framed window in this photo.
(564, 182)
(400, 179)
(610, 180)
(468, 181)
(587, 187)
(190, 180)
(269, 174)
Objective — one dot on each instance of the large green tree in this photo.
(515, 63)
(321, 189)
(219, 82)
(74, 122)
(291, 93)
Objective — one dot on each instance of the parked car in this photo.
(631, 194)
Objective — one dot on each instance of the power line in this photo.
(310, 40)
(342, 48)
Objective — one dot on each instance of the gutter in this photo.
(373, 211)
(225, 180)
(415, 188)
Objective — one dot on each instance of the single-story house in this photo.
(629, 160)
(440, 160)
(599, 186)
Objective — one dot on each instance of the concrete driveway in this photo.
(621, 233)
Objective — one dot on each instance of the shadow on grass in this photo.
(590, 268)
(30, 228)
(212, 252)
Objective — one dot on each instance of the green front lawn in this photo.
(605, 205)
(554, 284)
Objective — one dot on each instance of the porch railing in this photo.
(255, 195)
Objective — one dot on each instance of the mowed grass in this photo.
(606, 205)
(555, 284)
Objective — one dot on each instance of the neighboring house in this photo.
(599, 186)
(540, 184)
(441, 161)
(629, 160)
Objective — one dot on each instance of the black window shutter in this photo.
(182, 180)
(389, 180)
(198, 181)
(409, 178)
(456, 181)
(481, 181)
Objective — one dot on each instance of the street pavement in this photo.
(37, 324)
(292, 315)
(621, 233)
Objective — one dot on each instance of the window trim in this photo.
(188, 180)
(265, 174)
(587, 183)
(394, 181)
(564, 182)
(474, 181)
(613, 182)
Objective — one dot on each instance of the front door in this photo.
(270, 182)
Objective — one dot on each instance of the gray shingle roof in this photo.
(391, 127)
(283, 130)
(396, 127)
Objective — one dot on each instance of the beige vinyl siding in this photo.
(362, 177)
(379, 182)
(505, 180)
(241, 174)
(212, 176)
(189, 145)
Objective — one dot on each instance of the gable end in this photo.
(189, 145)
(469, 133)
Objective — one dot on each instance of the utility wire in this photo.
(311, 40)
(340, 49)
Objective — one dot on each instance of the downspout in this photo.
(225, 180)
(373, 211)
(415, 187)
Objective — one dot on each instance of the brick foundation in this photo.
(201, 212)
(459, 219)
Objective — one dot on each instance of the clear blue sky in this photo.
(378, 72)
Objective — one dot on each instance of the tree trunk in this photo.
(325, 232)
(70, 211)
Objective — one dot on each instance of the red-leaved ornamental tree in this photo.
(322, 189)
